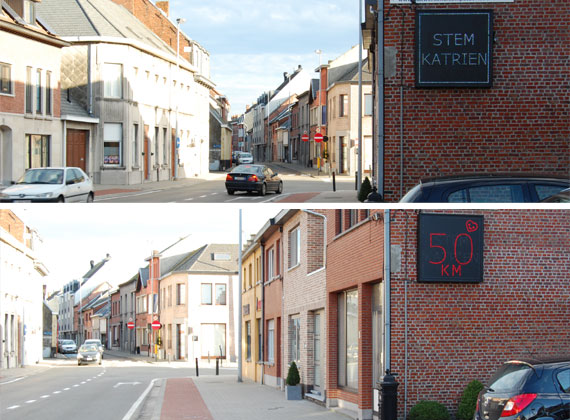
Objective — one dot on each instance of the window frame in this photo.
(112, 89)
(202, 294)
(6, 81)
(225, 299)
(107, 161)
(294, 247)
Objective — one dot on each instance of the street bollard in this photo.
(197, 371)
(334, 181)
(217, 366)
(388, 404)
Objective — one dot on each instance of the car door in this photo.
(70, 188)
(270, 179)
(82, 184)
(562, 378)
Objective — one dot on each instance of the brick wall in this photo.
(518, 125)
(12, 224)
(461, 332)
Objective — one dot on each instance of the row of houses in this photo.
(424, 115)
(111, 86)
(438, 297)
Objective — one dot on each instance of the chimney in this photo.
(285, 75)
(92, 263)
(163, 5)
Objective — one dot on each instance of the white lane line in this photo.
(138, 402)
(13, 380)
(203, 196)
(214, 194)
(66, 389)
(126, 196)
(75, 386)
(13, 407)
(30, 401)
(57, 392)
(189, 199)
(45, 396)
(83, 383)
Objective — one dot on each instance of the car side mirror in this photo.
(70, 182)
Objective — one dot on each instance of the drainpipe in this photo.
(387, 314)
(262, 355)
(89, 84)
(64, 144)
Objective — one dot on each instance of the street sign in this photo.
(130, 325)
(156, 325)
(305, 137)
(178, 142)
(318, 137)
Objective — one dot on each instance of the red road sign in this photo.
(305, 137)
(318, 137)
(156, 325)
(130, 325)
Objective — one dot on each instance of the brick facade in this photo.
(520, 124)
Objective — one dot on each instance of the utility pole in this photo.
(380, 53)
(359, 174)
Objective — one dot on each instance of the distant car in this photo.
(235, 156)
(490, 188)
(245, 158)
(67, 346)
(43, 185)
(89, 353)
(258, 178)
(97, 343)
(561, 197)
(527, 390)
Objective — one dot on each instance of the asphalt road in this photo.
(88, 392)
(297, 187)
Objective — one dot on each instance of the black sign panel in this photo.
(450, 248)
(454, 48)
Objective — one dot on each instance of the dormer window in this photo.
(30, 12)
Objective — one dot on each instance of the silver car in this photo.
(67, 346)
(245, 158)
(44, 185)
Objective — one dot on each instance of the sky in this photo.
(73, 235)
(253, 42)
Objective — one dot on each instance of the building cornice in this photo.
(32, 34)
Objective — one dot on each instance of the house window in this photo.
(48, 93)
(29, 91)
(248, 338)
(37, 151)
(352, 217)
(113, 80)
(295, 337)
(6, 79)
(270, 264)
(270, 340)
(338, 222)
(348, 339)
(294, 247)
(206, 293)
(135, 144)
(113, 143)
(220, 294)
(38, 91)
(343, 106)
(164, 146)
(170, 295)
(180, 294)
(259, 332)
(367, 105)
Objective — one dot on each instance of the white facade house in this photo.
(21, 293)
(134, 111)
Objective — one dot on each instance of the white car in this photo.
(97, 343)
(67, 346)
(245, 158)
(43, 185)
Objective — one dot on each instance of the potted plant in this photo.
(292, 386)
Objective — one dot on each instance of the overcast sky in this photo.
(252, 42)
(73, 235)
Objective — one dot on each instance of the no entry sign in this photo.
(156, 325)
(318, 137)
(305, 137)
(130, 325)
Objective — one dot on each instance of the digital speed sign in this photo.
(450, 248)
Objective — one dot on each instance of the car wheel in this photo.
(279, 188)
(263, 190)
(61, 199)
(89, 198)
(231, 192)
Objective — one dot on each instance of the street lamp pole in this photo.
(359, 174)
(176, 157)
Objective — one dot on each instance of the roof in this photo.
(213, 258)
(348, 73)
(97, 18)
(104, 311)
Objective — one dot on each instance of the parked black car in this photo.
(258, 178)
(561, 197)
(527, 390)
(489, 188)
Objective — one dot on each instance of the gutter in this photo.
(387, 279)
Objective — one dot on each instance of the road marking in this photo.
(128, 196)
(214, 194)
(13, 407)
(126, 383)
(75, 386)
(57, 392)
(45, 396)
(138, 402)
(66, 389)
(203, 196)
(89, 380)
(13, 380)
(83, 383)
(30, 401)
(189, 199)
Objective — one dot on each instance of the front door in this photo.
(178, 342)
(318, 352)
(76, 150)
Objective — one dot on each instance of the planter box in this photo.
(293, 392)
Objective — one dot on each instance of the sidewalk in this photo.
(222, 398)
(19, 373)
(191, 364)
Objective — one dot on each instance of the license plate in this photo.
(89, 358)
(22, 201)
(240, 178)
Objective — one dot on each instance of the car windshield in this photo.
(67, 342)
(42, 176)
(509, 377)
(88, 347)
(248, 169)
(246, 155)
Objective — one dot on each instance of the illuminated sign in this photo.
(454, 48)
(450, 248)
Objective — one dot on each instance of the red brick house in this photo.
(147, 309)
(505, 298)
(517, 122)
(115, 324)
(318, 113)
